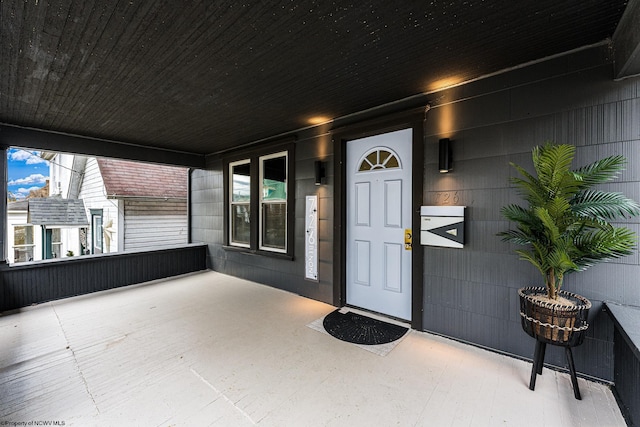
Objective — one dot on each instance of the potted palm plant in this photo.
(565, 228)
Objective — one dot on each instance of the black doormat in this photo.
(358, 329)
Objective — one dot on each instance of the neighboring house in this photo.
(45, 228)
(130, 205)
(21, 240)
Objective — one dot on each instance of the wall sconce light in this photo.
(319, 172)
(445, 160)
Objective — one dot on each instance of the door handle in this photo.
(408, 239)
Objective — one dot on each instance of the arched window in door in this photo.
(379, 158)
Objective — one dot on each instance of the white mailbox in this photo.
(442, 226)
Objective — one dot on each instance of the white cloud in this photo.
(35, 178)
(23, 192)
(30, 157)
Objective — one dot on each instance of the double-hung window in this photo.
(23, 243)
(273, 202)
(259, 214)
(240, 204)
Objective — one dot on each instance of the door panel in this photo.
(363, 206)
(393, 203)
(393, 266)
(378, 211)
(363, 262)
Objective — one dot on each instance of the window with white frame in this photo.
(273, 202)
(56, 243)
(258, 208)
(23, 243)
(240, 203)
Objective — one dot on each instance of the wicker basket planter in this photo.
(554, 323)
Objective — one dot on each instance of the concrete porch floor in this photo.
(212, 350)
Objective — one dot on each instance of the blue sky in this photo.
(26, 171)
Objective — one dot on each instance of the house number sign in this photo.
(311, 239)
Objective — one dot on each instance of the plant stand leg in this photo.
(538, 361)
(543, 350)
(572, 369)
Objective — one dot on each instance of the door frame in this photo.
(96, 213)
(413, 119)
(47, 240)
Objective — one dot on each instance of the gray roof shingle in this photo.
(52, 211)
(136, 179)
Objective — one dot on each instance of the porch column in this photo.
(3, 205)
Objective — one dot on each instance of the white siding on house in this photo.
(151, 224)
(136, 223)
(60, 170)
(94, 195)
(92, 185)
(70, 239)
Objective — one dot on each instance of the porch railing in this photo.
(30, 283)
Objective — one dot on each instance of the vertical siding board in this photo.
(53, 276)
(64, 283)
(21, 292)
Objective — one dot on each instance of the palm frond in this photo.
(604, 245)
(551, 227)
(561, 261)
(604, 205)
(552, 163)
(518, 237)
(565, 226)
(529, 186)
(559, 207)
(616, 241)
(601, 171)
(529, 256)
(516, 213)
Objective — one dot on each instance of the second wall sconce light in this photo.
(445, 161)
(320, 172)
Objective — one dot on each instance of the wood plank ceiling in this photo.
(205, 76)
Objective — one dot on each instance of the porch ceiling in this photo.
(208, 76)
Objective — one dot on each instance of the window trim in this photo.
(94, 213)
(254, 157)
(26, 246)
(231, 203)
(262, 202)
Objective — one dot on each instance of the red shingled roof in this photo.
(133, 179)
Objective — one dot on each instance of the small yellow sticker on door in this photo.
(407, 239)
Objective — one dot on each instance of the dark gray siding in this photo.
(470, 294)
(207, 216)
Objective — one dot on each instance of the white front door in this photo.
(378, 264)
